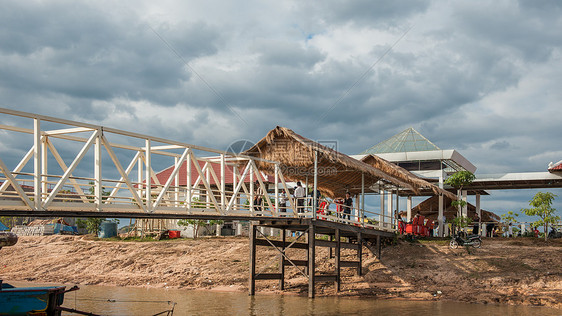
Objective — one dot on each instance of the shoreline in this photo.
(269, 293)
(89, 299)
(516, 271)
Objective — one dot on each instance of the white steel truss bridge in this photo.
(55, 167)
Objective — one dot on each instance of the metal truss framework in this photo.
(45, 190)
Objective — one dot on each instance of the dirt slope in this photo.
(506, 271)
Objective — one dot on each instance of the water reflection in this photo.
(143, 301)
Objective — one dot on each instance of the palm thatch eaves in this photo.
(337, 172)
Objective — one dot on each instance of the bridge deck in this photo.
(288, 223)
(324, 227)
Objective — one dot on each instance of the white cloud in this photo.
(480, 78)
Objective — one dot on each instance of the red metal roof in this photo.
(557, 167)
(26, 188)
(228, 172)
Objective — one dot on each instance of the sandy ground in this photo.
(504, 271)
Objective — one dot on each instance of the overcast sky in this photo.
(482, 77)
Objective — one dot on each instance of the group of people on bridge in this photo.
(303, 199)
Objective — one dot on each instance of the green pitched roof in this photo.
(405, 141)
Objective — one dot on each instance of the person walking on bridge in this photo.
(283, 202)
(258, 198)
(299, 196)
(348, 203)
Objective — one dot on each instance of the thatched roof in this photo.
(337, 173)
(430, 209)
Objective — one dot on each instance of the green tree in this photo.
(92, 225)
(92, 191)
(458, 204)
(8, 221)
(459, 180)
(509, 217)
(542, 207)
(462, 222)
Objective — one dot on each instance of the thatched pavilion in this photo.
(332, 172)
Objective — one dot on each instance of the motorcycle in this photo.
(471, 240)
(554, 233)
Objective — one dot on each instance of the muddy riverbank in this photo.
(504, 271)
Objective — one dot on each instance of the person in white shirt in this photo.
(299, 196)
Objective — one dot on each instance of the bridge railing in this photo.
(73, 166)
(329, 210)
(78, 166)
(332, 211)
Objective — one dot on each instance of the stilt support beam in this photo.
(311, 260)
(359, 253)
(252, 285)
(338, 260)
(282, 265)
(354, 236)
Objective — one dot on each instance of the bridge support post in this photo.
(331, 255)
(282, 260)
(252, 285)
(311, 260)
(359, 253)
(37, 164)
(441, 228)
(338, 259)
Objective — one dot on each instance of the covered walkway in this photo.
(333, 173)
(519, 180)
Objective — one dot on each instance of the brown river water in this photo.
(110, 300)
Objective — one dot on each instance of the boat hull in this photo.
(42, 300)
